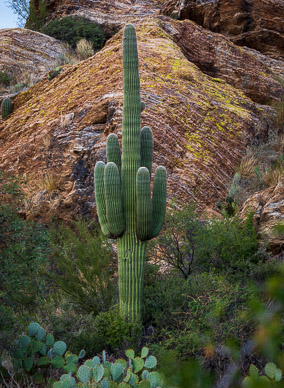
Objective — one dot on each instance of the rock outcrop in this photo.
(58, 129)
(258, 24)
(23, 51)
(268, 208)
(110, 14)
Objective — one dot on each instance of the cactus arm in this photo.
(113, 201)
(144, 204)
(146, 148)
(113, 151)
(100, 197)
(159, 200)
(142, 106)
(131, 126)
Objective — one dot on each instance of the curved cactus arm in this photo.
(159, 200)
(146, 148)
(113, 151)
(144, 204)
(100, 197)
(113, 200)
(142, 106)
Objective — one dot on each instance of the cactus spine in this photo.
(6, 107)
(125, 208)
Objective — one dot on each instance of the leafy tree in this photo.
(21, 9)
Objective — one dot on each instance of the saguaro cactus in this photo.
(6, 107)
(125, 208)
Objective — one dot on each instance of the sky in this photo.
(7, 18)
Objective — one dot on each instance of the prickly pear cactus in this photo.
(6, 107)
(125, 208)
(36, 352)
(122, 374)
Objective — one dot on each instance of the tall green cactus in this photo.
(125, 208)
(6, 107)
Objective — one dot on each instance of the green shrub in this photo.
(204, 311)
(228, 246)
(5, 78)
(191, 245)
(82, 269)
(113, 333)
(23, 259)
(72, 29)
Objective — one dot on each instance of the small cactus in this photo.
(6, 107)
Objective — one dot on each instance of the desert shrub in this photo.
(84, 48)
(205, 309)
(72, 29)
(81, 266)
(228, 246)
(23, 259)
(5, 78)
(192, 245)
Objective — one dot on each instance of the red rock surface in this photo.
(258, 24)
(58, 129)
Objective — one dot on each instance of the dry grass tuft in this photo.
(84, 49)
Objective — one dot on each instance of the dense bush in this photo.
(23, 258)
(206, 309)
(5, 78)
(72, 29)
(81, 266)
(192, 245)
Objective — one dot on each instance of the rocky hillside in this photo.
(206, 98)
(28, 53)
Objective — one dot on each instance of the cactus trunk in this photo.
(125, 208)
(131, 258)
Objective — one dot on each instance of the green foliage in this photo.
(19, 87)
(54, 73)
(81, 256)
(72, 29)
(23, 258)
(228, 246)
(229, 209)
(6, 107)
(256, 380)
(5, 78)
(189, 315)
(192, 245)
(37, 15)
(34, 353)
(116, 374)
(112, 332)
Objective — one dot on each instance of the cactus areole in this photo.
(125, 208)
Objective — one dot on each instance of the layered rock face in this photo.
(58, 130)
(258, 24)
(110, 14)
(28, 52)
(268, 208)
